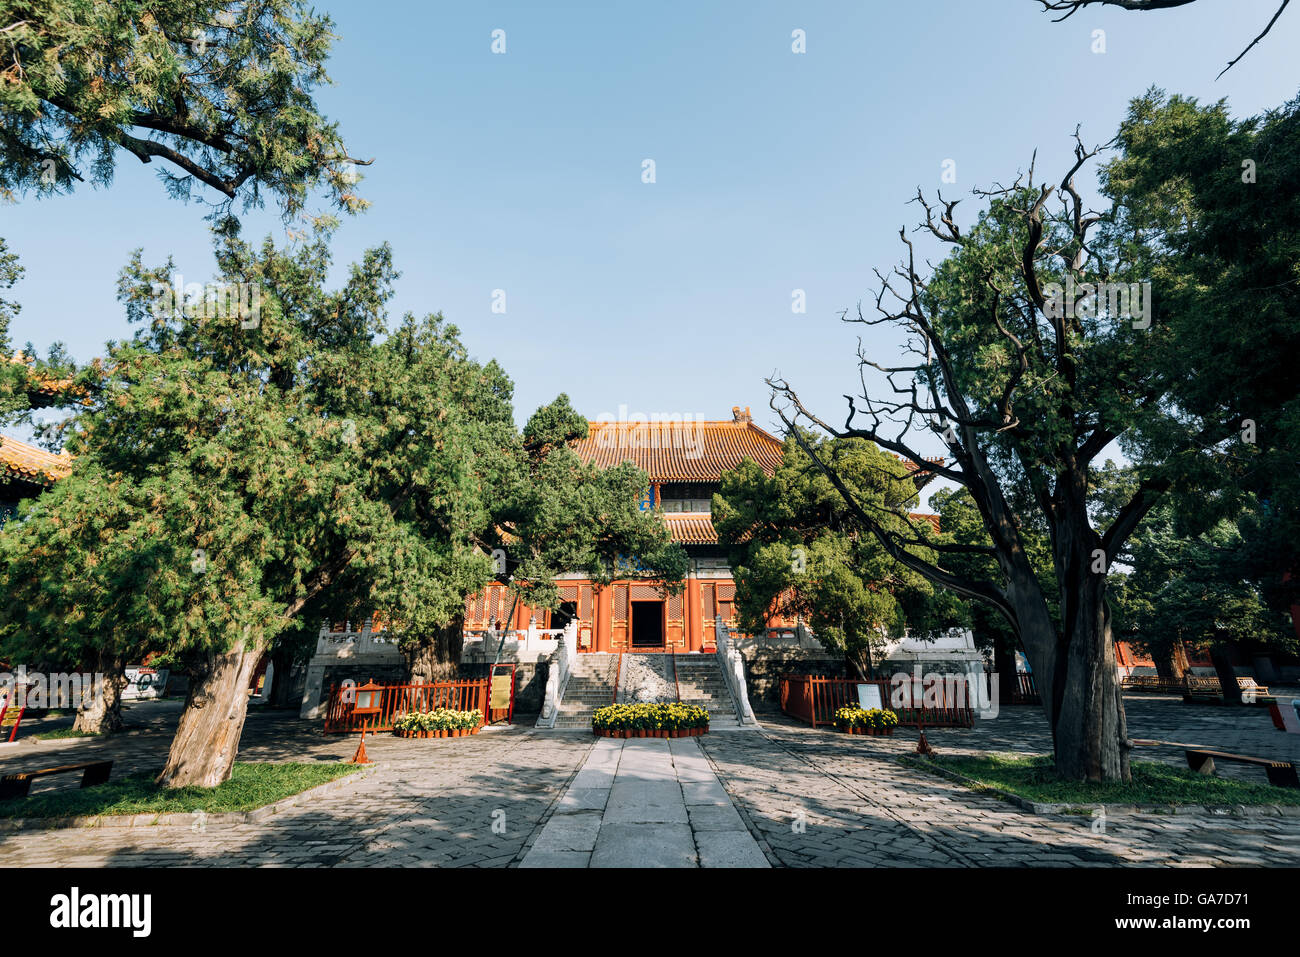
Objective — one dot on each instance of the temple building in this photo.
(685, 460)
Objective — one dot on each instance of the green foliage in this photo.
(233, 476)
(960, 524)
(439, 719)
(1217, 201)
(852, 716)
(669, 716)
(795, 548)
(1196, 586)
(218, 92)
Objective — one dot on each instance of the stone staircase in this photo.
(701, 683)
(591, 686)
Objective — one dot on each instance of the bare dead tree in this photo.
(1035, 411)
(1068, 8)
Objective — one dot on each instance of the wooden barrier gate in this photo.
(815, 699)
(471, 695)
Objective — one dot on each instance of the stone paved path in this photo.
(807, 798)
(645, 802)
(820, 799)
(451, 803)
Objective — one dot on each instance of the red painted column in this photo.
(694, 633)
(603, 617)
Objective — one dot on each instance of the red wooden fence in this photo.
(1026, 690)
(815, 699)
(397, 699)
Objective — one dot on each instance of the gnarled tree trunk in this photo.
(281, 690)
(436, 656)
(207, 738)
(1171, 661)
(1004, 664)
(1076, 670)
(1227, 674)
(104, 713)
(1090, 734)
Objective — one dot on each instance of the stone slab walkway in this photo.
(817, 798)
(645, 802)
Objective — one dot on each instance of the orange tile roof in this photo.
(925, 516)
(686, 529)
(41, 389)
(18, 460)
(693, 451)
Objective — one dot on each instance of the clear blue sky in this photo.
(775, 171)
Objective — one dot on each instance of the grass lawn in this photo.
(63, 733)
(1035, 779)
(250, 786)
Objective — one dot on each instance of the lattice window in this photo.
(585, 604)
(726, 598)
(644, 592)
(709, 611)
(675, 607)
(620, 603)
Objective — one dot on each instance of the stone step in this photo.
(697, 681)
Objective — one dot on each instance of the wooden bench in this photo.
(1281, 773)
(1248, 685)
(1153, 683)
(18, 785)
(1211, 690)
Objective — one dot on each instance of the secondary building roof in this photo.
(22, 462)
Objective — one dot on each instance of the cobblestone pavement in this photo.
(808, 797)
(453, 803)
(817, 798)
(1023, 729)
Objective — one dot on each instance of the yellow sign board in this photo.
(500, 697)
